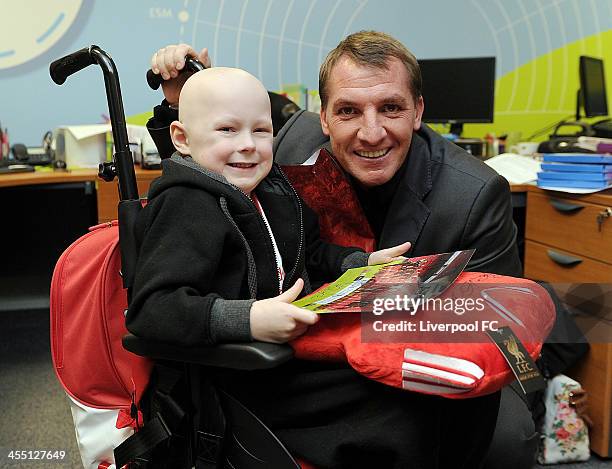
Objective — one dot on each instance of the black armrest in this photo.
(238, 356)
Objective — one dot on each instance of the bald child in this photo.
(225, 244)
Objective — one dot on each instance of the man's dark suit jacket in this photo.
(447, 200)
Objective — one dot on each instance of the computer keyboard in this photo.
(14, 167)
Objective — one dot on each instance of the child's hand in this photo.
(390, 254)
(169, 61)
(276, 320)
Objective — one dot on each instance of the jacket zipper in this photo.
(275, 249)
(268, 231)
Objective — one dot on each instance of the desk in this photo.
(107, 193)
(47, 210)
(43, 213)
(47, 177)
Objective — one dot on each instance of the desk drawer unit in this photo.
(573, 225)
(568, 239)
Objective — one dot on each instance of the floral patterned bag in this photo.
(565, 436)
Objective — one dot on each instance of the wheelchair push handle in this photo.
(122, 165)
(191, 64)
(62, 68)
(122, 159)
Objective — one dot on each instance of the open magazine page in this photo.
(418, 277)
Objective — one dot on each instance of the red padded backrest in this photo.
(88, 323)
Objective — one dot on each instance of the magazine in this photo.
(418, 277)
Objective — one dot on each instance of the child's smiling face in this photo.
(227, 125)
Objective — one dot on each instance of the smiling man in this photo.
(412, 185)
(369, 113)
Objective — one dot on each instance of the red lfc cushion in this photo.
(450, 364)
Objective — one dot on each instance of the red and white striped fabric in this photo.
(436, 374)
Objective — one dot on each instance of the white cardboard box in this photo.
(84, 146)
(81, 146)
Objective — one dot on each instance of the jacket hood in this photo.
(184, 171)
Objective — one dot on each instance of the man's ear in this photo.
(418, 110)
(179, 137)
(323, 116)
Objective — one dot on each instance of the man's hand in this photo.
(276, 320)
(390, 254)
(169, 61)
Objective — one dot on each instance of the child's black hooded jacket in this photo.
(206, 254)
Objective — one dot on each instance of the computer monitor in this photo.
(592, 93)
(458, 90)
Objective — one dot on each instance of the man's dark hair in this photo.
(371, 49)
